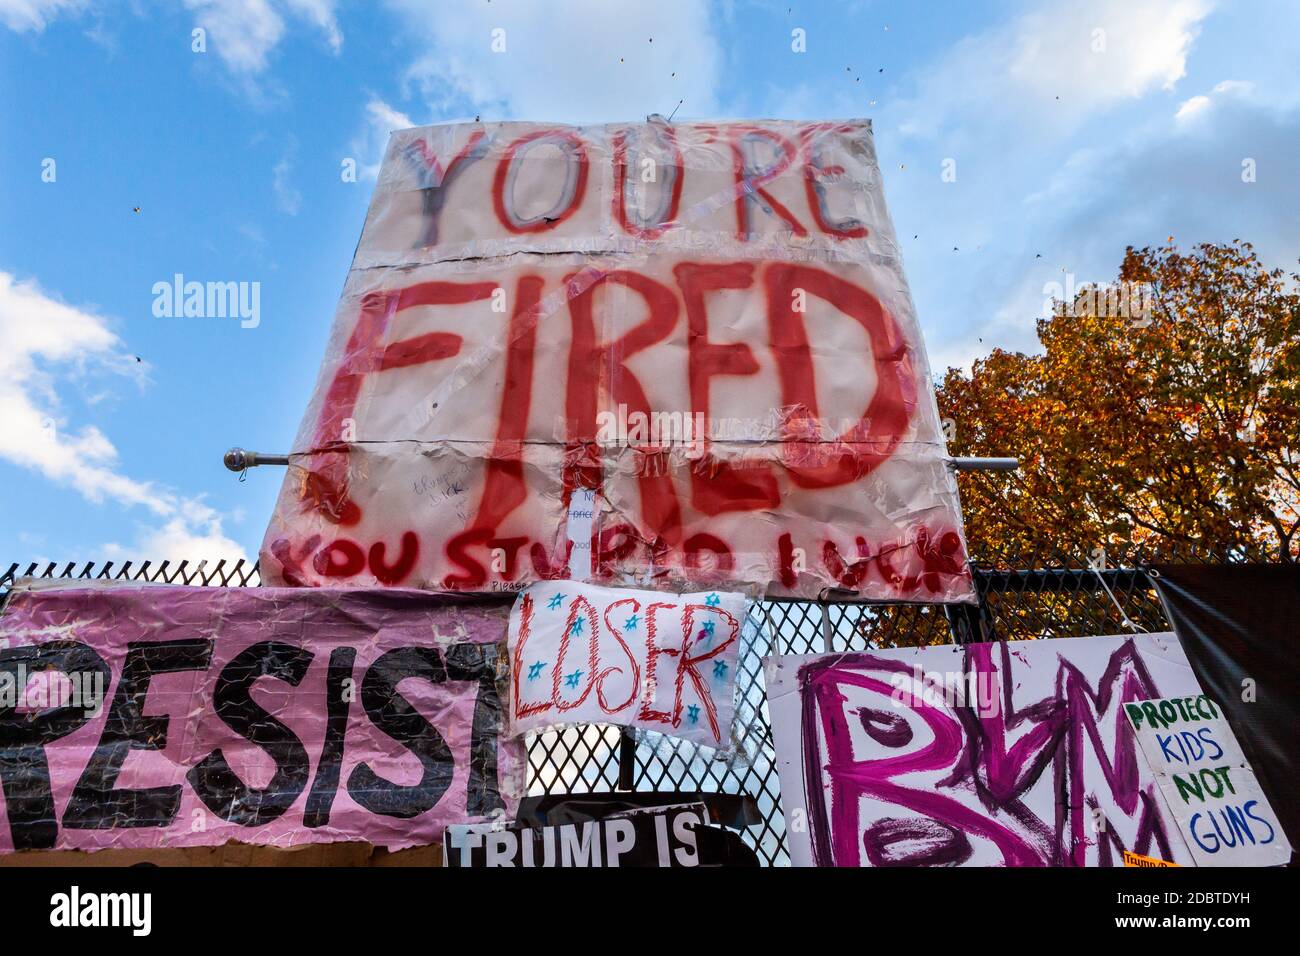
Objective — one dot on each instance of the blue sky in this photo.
(1068, 143)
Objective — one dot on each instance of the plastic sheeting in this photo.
(149, 716)
(1237, 624)
(650, 354)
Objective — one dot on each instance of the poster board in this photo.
(1207, 783)
(1009, 754)
(580, 653)
(140, 717)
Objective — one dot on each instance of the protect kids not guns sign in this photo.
(1210, 789)
(700, 332)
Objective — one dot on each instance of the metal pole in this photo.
(984, 464)
(626, 760)
(238, 459)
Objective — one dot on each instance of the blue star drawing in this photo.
(556, 601)
(630, 623)
(535, 669)
(577, 625)
(571, 680)
(706, 632)
(713, 600)
(693, 713)
(719, 670)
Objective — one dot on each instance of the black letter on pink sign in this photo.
(477, 662)
(337, 705)
(96, 803)
(395, 716)
(213, 779)
(24, 769)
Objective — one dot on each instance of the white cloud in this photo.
(1176, 179)
(321, 15)
(1200, 105)
(43, 335)
(579, 61)
(35, 15)
(384, 117)
(287, 195)
(195, 536)
(1207, 168)
(1189, 109)
(1056, 188)
(245, 32)
(1106, 51)
(369, 145)
(37, 330)
(1235, 87)
(1053, 67)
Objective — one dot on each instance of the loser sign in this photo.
(586, 654)
(1209, 787)
(701, 332)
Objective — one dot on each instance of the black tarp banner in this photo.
(656, 837)
(1238, 626)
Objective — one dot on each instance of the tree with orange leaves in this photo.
(1162, 412)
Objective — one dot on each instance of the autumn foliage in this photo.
(1172, 426)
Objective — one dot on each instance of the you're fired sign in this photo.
(674, 354)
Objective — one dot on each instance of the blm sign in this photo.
(681, 354)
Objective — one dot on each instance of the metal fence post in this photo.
(971, 623)
(626, 759)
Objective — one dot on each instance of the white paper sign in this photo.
(1207, 784)
(585, 654)
(1010, 754)
(702, 329)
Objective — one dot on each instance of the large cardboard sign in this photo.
(683, 354)
(146, 716)
(1012, 754)
(1207, 783)
(580, 653)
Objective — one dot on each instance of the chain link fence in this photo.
(1046, 594)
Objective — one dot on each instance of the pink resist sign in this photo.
(143, 716)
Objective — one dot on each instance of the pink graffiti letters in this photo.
(975, 780)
